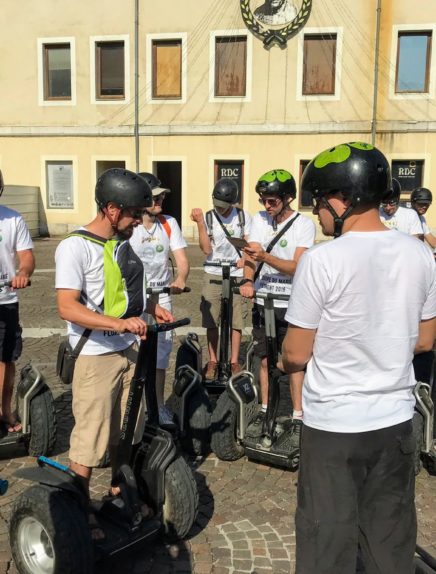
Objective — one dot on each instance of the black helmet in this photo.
(154, 183)
(2, 183)
(124, 188)
(357, 169)
(421, 194)
(277, 182)
(394, 193)
(225, 192)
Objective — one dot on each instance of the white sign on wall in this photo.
(60, 185)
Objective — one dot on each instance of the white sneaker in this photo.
(165, 416)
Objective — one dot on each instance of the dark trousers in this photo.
(356, 490)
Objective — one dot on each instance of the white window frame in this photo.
(151, 167)
(114, 38)
(40, 52)
(249, 70)
(106, 157)
(396, 29)
(339, 31)
(60, 158)
(183, 36)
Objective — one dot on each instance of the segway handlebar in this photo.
(219, 264)
(265, 296)
(9, 284)
(159, 290)
(161, 327)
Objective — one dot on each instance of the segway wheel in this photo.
(418, 433)
(49, 533)
(42, 424)
(181, 500)
(223, 423)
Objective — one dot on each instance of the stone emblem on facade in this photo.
(275, 21)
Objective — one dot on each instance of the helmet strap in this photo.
(338, 220)
(285, 206)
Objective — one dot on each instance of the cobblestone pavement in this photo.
(245, 519)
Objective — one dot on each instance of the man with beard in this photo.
(276, 12)
(90, 299)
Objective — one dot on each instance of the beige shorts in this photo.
(100, 389)
(210, 305)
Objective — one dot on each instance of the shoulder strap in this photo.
(241, 219)
(164, 222)
(88, 235)
(81, 343)
(226, 233)
(274, 241)
(209, 223)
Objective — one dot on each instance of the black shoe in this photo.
(296, 427)
(254, 429)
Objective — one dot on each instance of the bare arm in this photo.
(426, 336)
(70, 309)
(297, 348)
(431, 239)
(203, 237)
(26, 266)
(285, 266)
(182, 265)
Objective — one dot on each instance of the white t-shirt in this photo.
(153, 247)
(79, 266)
(301, 234)
(365, 294)
(404, 219)
(222, 249)
(14, 236)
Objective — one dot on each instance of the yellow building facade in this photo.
(189, 90)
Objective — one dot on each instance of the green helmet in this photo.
(359, 170)
(277, 182)
(123, 187)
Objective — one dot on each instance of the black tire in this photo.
(42, 424)
(65, 532)
(181, 500)
(418, 433)
(223, 423)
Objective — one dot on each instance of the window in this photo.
(413, 62)
(57, 71)
(319, 64)
(59, 178)
(232, 170)
(167, 69)
(109, 70)
(230, 66)
(409, 173)
(304, 199)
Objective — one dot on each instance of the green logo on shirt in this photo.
(283, 243)
(159, 248)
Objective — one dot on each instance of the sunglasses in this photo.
(272, 201)
(159, 198)
(391, 202)
(135, 213)
(422, 204)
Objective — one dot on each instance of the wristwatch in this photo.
(244, 281)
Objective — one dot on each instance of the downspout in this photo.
(376, 71)
(136, 127)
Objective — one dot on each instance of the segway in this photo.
(189, 401)
(35, 411)
(424, 562)
(194, 397)
(424, 421)
(238, 405)
(49, 529)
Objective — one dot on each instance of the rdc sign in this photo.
(409, 173)
(232, 170)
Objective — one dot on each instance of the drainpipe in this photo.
(136, 127)
(376, 70)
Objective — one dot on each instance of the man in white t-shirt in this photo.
(106, 363)
(214, 231)
(355, 323)
(421, 199)
(272, 272)
(153, 241)
(15, 244)
(396, 217)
